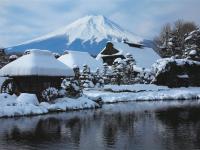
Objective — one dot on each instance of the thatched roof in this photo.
(37, 63)
(76, 58)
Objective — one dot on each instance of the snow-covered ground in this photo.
(146, 92)
(27, 104)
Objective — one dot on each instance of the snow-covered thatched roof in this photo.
(144, 56)
(76, 58)
(38, 62)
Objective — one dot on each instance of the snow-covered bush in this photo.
(27, 98)
(143, 76)
(50, 94)
(62, 93)
(87, 84)
(72, 87)
(100, 83)
(176, 72)
(162, 65)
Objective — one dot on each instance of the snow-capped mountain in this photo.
(89, 34)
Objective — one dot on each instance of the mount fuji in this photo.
(88, 34)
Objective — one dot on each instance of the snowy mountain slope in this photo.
(89, 34)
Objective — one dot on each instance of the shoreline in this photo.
(94, 99)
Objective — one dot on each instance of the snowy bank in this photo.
(64, 104)
(27, 104)
(134, 88)
(147, 95)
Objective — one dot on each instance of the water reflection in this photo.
(182, 126)
(145, 125)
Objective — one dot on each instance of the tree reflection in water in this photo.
(119, 126)
(49, 130)
(182, 126)
(117, 123)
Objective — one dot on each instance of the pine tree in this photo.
(98, 78)
(119, 68)
(171, 41)
(77, 73)
(86, 77)
(106, 73)
(129, 72)
(192, 48)
(72, 87)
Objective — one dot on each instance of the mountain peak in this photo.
(94, 17)
(91, 29)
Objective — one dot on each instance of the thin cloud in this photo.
(22, 20)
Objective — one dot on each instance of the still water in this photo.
(171, 125)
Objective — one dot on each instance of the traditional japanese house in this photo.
(143, 56)
(109, 54)
(33, 73)
(77, 58)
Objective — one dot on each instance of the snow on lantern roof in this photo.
(77, 58)
(144, 56)
(37, 62)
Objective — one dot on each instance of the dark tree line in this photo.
(180, 39)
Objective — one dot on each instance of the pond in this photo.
(169, 125)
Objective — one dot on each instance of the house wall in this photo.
(110, 59)
(36, 84)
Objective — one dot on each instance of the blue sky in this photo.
(22, 20)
